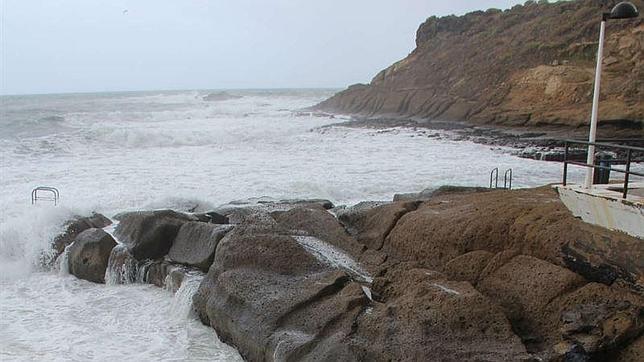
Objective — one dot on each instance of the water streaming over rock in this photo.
(122, 268)
(182, 301)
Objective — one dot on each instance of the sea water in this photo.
(115, 152)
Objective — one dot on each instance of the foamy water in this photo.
(125, 151)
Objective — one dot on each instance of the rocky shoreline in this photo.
(454, 274)
(542, 143)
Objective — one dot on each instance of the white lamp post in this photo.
(623, 10)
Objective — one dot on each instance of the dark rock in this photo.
(217, 218)
(239, 211)
(428, 193)
(149, 234)
(316, 221)
(370, 226)
(634, 352)
(349, 215)
(156, 272)
(212, 217)
(622, 259)
(425, 317)
(196, 243)
(75, 227)
(524, 287)
(220, 96)
(326, 204)
(269, 297)
(89, 255)
(596, 317)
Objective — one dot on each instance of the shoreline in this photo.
(539, 143)
(502, 274)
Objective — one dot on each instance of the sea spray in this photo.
(26, 236)
(63, 262)
(182, 302)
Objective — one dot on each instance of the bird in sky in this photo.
(125, 12)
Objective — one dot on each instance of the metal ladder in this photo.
(51, 194)
(507, 179)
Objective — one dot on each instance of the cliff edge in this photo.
(528, 66)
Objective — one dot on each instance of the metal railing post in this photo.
(495, 172)
(628, 172)
(565, 167)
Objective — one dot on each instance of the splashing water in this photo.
(182, 302)
(122, 268)
(119, 152)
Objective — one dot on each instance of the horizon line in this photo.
(167, 90)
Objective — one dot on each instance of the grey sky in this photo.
(51, 46)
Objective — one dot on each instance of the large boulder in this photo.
(89, 255)
(149, 234)
(524, 287)
(371, 225)
(273, 300)
(420, 315)
(531, 221)
(74, 227)
(196, 243)
(599, 320)
(317, 222)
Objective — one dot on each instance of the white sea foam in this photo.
(119, 152)
(54, 318)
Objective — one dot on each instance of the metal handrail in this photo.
(54, 191)
(627, 171)
(494, 174)
(507, 181)
(606, 145)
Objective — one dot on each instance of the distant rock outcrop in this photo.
(220, 96)
(531, 66)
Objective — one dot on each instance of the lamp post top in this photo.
(623, 10)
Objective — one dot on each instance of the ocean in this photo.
(114, 152)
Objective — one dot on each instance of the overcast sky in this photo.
(52, 46)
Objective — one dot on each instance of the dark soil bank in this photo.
(460, 274)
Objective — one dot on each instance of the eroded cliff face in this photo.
(532, 65)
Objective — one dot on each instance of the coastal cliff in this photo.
(528, 66)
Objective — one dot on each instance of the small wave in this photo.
(21, 126)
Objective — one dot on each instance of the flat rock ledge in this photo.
(453, 274)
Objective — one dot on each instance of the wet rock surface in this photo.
(196, 242)
(150, 234)
(456, 275)
(73, 228)
(421, 315)
(89, 255)
(273, 300)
